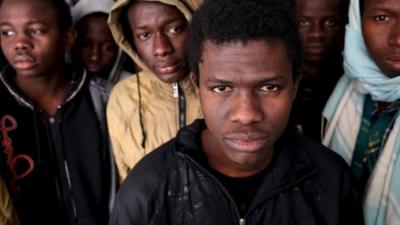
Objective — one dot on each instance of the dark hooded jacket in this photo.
(58, 170)
(305, 184)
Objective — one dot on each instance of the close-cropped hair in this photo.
(227, 21)
(64, 18)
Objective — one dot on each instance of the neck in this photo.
(312, 71)
(103, 74)
(237, 171)
(47, 92)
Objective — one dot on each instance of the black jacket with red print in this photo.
(58, 170)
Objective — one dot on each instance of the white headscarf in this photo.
(343, 112)
(358, 64)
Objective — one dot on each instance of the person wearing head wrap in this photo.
(362, 114)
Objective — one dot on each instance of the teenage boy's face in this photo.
(30, 39)
(160, 33)
(321, 28)
(246, 92)
(381, 31)
(95, 47)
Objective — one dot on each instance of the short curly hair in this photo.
(224, 21)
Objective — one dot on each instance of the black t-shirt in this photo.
(242, 190)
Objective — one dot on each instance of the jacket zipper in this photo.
(175, 90)
(74, 211)
(242, 221)
(178, 93)
(55, 122)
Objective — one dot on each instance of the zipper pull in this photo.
(242, 221)
(175, 90)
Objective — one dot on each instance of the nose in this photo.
(94, 53)
(22, 42)
(316, 31)
(246, 108)
(162, 45)
(394, 39)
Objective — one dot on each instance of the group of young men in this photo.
(209, 130)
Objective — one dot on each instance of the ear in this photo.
(70, 37)
(194, 83)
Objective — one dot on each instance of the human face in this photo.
(321, 27)
(160, 33)
(246, 93)
(95, 48)
(30, 39)
(381, 31)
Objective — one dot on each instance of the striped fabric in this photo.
(374, 131)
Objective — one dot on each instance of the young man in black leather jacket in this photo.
(244, 163)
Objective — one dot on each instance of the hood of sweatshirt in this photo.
(86, 7)
(187, 7)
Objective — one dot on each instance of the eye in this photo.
(330, 22)
(36, 32)
(304, 23)
(382, 18)
(270, 88)
(143, 36)
(175, 29)
(109, 47)
(221, 89)
(7, 33)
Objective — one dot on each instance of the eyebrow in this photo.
(28, 23)
(276, 77)
(219, 81)
(5, 24)
(333, 15)
(37, 21)
(380, 7)
(144, 26)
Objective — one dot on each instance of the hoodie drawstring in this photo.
(140, 113)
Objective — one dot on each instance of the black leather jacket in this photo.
(305, 184)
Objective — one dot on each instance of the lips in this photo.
(168, 67)
(93, 67)
(246, 142)
(315, 49)
(393, 61)
(393, 58)
(24, 61)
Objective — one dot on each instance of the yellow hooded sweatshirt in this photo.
(142, 111)
(8, 215)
